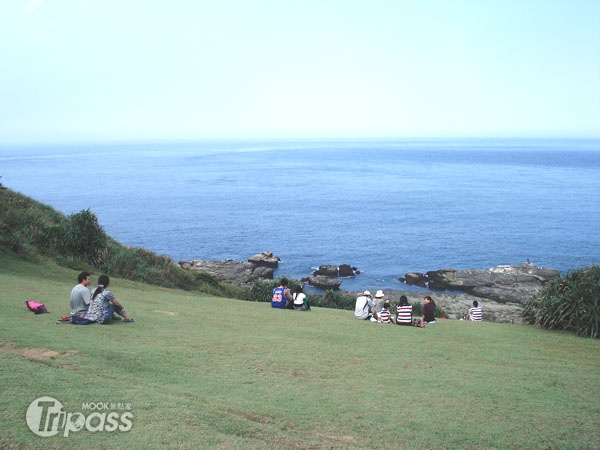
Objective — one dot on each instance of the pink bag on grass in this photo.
(36, 307)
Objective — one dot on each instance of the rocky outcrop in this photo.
(342, 271)
(239, 273)
(327, 276)
(323, 282)
(502, 284)
(326, 271)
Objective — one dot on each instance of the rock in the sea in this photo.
(342, 271)
(326, 271)
(265, 259)
(324, 282)
(347, 271)
(503, 284)
(414, 279)
(239, 273)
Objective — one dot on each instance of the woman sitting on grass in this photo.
(428, 310)
(300, 300)
(104, 304)
(404, 313)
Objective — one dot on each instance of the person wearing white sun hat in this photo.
(379, 301)
(365, 308)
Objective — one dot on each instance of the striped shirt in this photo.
(385, 316)
(476, 314)
(404, 314)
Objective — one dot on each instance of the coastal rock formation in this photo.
(342, 271)
(326, 277)
(414, 279)
(326, 271)
(239, 273)
(324, 282)
(502, 284)
(265, 259)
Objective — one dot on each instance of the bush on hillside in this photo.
(333, 299)
(569, 304)
(30, 228)
(82, 236)
(27, 227)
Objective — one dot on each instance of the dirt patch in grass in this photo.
(168, 313)
(38, 353)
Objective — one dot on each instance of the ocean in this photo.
(386, 207)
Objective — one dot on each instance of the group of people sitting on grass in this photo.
(96, 306)
(283, 298)
(378, 310)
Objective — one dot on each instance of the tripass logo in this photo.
(46, 417)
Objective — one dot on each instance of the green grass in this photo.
(207, 372)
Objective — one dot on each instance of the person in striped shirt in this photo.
(385, 316)
(404, 313)
(475, 313)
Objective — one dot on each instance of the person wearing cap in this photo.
(379, 301)
(365, 308)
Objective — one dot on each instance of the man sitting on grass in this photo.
(365, 308)
(474, 313)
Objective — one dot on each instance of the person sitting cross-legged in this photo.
(475, 313)
(404, 314)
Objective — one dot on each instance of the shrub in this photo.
(333, 299)
(261, 290)
(570, 304)
(27, 227)
(83, 237)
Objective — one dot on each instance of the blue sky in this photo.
(182, 70)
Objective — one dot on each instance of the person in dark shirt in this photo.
(428, 310)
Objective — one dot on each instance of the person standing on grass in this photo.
(281, 295)
(428, 310)
(104, 304)
(81, 296)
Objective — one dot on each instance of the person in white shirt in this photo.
(300, 300)
(365, 308)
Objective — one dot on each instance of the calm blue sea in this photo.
(384, 206)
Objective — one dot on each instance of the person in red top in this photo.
(428, 310)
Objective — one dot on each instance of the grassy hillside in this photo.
(198, 371)
(32, 229)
